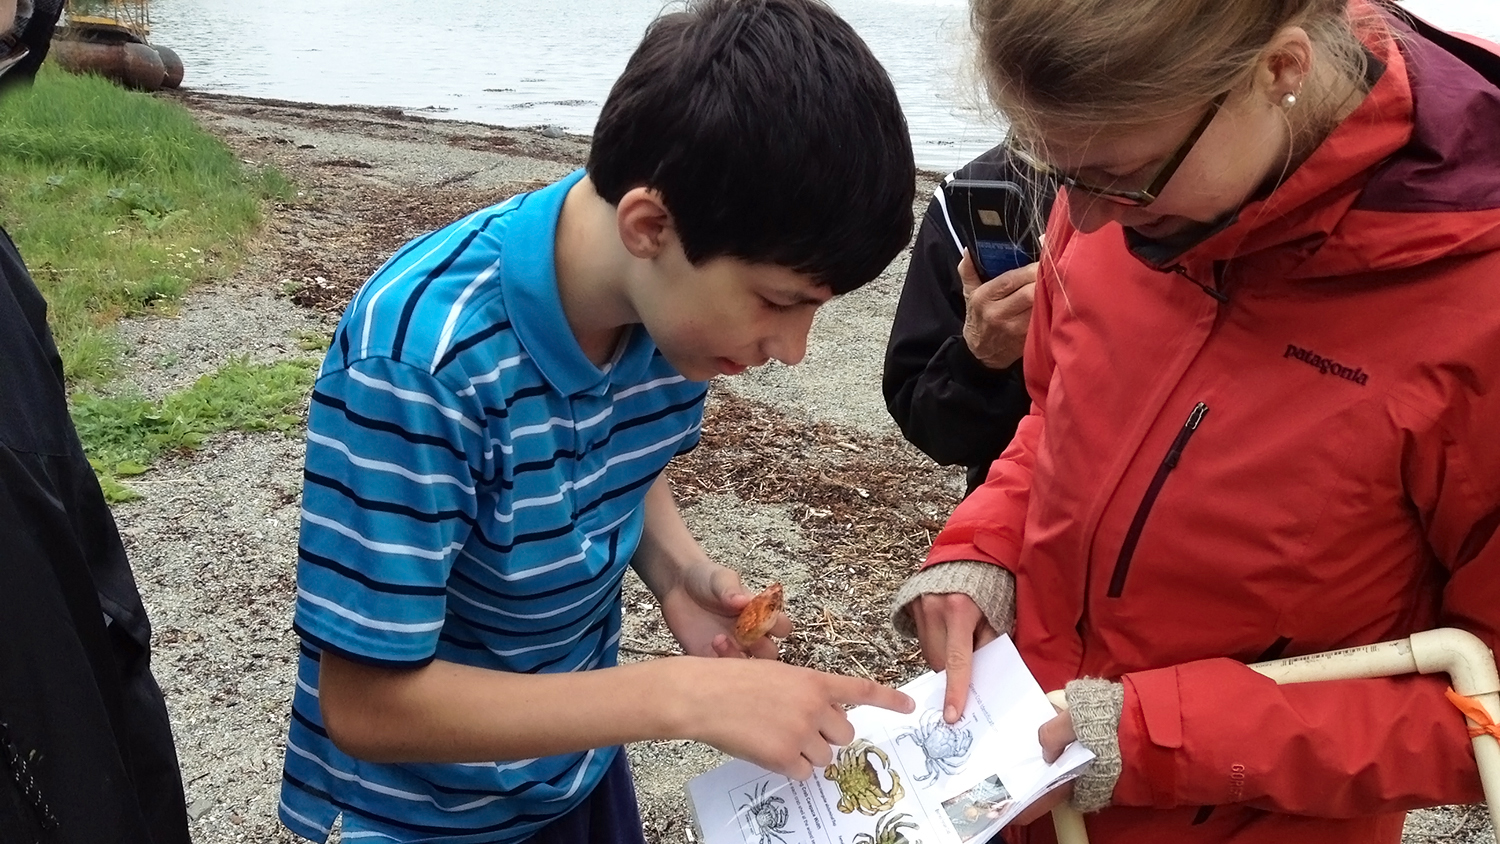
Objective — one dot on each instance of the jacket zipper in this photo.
(20, 772)
(1216, 294)
(1168, 463)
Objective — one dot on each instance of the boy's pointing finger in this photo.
(859, 691)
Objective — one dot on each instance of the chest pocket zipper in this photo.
(1137, 524)
(25, 780)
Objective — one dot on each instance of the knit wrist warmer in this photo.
(992, 587)
(1095, 707)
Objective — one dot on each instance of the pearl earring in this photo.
(1289, 100)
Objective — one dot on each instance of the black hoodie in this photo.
(86, 752)
(954, 408)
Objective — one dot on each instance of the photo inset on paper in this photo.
(977, 808)
(764, 816)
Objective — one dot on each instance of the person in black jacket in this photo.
(952, 378)
(86, 751)
(25, 33)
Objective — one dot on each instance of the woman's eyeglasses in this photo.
(1139, 197)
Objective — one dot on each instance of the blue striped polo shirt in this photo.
(473, 492)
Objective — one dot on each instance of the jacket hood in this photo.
(1413, 175)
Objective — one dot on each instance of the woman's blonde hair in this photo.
(1082, 66)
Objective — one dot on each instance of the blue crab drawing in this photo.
(945, 746)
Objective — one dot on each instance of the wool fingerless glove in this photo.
(992, 588)
(1095, 707)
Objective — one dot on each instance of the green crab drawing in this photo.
(854, 772)
(889, 829)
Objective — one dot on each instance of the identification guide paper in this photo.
(905, 778)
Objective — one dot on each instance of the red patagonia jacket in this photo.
(1305, 458)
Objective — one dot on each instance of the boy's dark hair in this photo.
(772, 134)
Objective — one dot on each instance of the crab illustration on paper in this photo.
(945, 746)
(767, 815)
(890, 828)
(855, 773)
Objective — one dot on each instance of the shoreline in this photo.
(186, 96)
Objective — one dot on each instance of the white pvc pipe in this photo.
(1067, 821)
(1461, 655)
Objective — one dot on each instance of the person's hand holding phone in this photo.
(997, 312)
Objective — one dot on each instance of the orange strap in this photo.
(1477, 713)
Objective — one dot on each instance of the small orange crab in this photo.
(758, 616)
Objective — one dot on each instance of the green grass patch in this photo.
(312, 341)
(123, 436)
(119, 202)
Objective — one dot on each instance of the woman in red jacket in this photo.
(1265, 356)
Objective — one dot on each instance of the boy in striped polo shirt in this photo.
(489, 428)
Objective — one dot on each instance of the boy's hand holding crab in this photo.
(781, 717)
(700, 600)
(706, 607)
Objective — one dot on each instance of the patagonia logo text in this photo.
(1327, 366)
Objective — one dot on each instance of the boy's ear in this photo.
(645, 223)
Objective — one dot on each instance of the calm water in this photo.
(533, 62)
